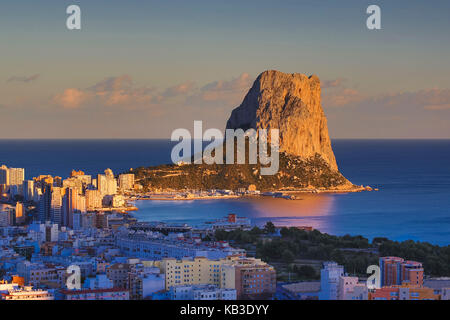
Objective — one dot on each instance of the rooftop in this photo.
(86, 291)
(299, 287)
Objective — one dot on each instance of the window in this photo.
(394, 294)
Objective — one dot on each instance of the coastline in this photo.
(286, 194)
(187, 199)
(354, 188)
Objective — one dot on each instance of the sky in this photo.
(141, 69)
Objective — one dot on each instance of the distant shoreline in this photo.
(284, 194)
(187, 199)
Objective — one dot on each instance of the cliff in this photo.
(290, 103)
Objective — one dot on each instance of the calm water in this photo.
(413, 177)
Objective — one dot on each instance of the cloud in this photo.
(110, 92)
(120, 107)
(123, 82)
(218, 89)
(180, 89)
(22, 79)
(224, 92)
(430, 99)
(342, 98)
(121, 92)
(71, 98)
(333, 83)
(215, 92)
(336, 94)
(423, 113)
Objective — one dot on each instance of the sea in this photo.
(413, 178)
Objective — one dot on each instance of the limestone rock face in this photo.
(292, 104)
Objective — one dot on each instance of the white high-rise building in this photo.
(16, 176)
(102, 184)
(52, 232)
(20, 213)
(81, 203)
(107, 184)
(126, 181)
(42, 232)
(329, 281)
(73, 183)
(4, 175)
(12, 177)
(72, 202)
(93, 199)
(56, 205)
(28, 190)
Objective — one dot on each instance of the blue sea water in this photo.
(413, 177)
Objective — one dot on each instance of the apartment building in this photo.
(27, 293)
(141, 246)
(250, 277)
(201, 292)
(36, 274)
(118, 274)
(403, 292)
(97, 294)
(396, 271)
(351, 289)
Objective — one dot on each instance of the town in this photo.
(49, 224)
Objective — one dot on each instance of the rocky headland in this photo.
(290, 103)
